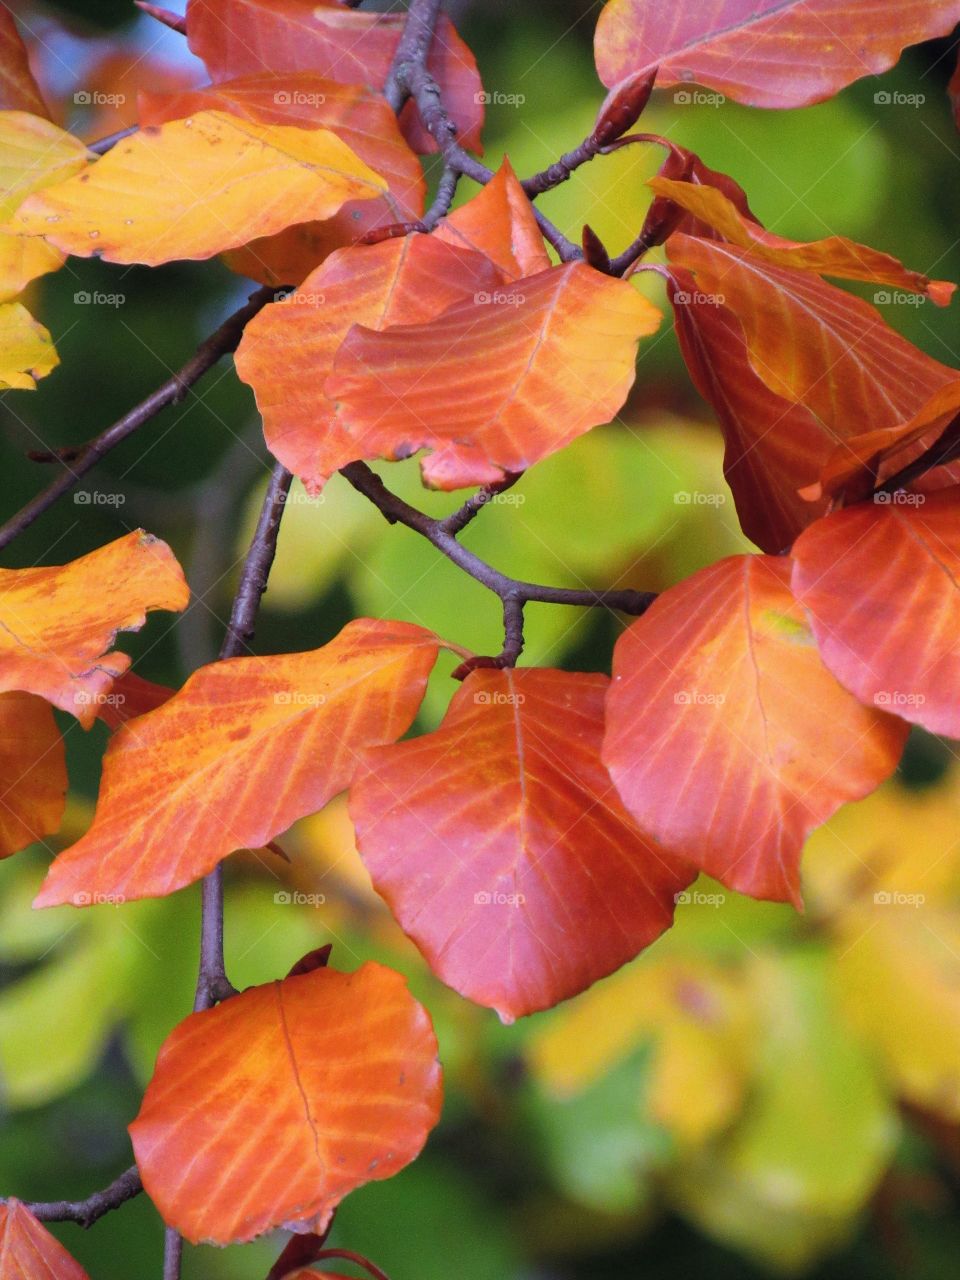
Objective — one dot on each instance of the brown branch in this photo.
(79, 460)
(86, 1212)
(460, 518)
(397, 511)
(103, 145)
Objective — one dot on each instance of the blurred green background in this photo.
(762, 1093)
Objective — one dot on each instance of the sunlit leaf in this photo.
(287, 351)
(59, 622)
(358, 116)
(496, 383)
(33, 154)
(717, 727)
(243, 750)
(501, 846)
(192, 188)
(266, 1110)
(26, 349)
(834, 256)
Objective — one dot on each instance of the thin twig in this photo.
(446, 190)
(460, 518)
(79, 460)
(86, 1212)
(256, 567)
(945, 449)
(397, 511)
(103, 145)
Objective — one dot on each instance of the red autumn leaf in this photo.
(502, 847)
(770, 443)
(59, 622)
(499, 223)
(766, 53)
(18, 89)
(287, 351)
(243, 750)
(834, 256)
(358, 116)
(34, 772)
(245, 37)
(29, 1252)
(879, 581)
(496, 383)
(267, 1110)
(812, 345)
(728, 738)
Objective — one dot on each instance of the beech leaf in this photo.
(59, 622)
(496, 383)
(34, 771)
(18, 89)
(766, 53)
(266, 1110)
(499, 222)
(502, 848)
(243, 37)
(861, 574)
(29, 1252)
(243, 750)
(727, 737)
(287, 351)
(192, 188)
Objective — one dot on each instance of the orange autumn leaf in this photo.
(502, 847)
(267, 1110)
(245, 37)
(834, 256)
(59, 622)
(358, 116)
(499, 222)
(34, 772)
(767, 53)
(29, 1252)
(18, 89)
(243, 750)
(813, 343)
(727, 737)
(495, 383)
(287, 351)
(863, 574)
(192, 188)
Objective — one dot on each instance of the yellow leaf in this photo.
(33, 153)
(195, 187)
(22, 259)
(694, 1013)
(898, 974)
(26, 350)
